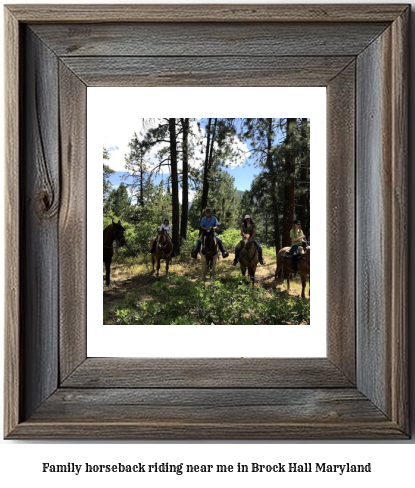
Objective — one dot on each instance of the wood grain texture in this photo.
(39, 257)
(341, 313)
(205, 71)
(382, 199)
(400, 260)
(213, 431)
(13, 384)
(206, 373)
(206, 13)
(206, 399)
(209, 405)
(209, 39)
(72, 222)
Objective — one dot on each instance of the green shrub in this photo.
(177, 300)
(230, 238)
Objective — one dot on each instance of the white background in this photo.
(188, 340)
(392, 462)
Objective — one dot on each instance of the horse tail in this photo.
(279, 272)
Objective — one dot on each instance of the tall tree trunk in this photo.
(208, 162)
(303, 212)
(141, 181)
(288, 213)
(185, 179)
(266, 228)
(274, 187)
(205, 188)
(174, 186)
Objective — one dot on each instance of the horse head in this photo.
(162, 236)
(248, 246)
(118, 233)
(164, 242)
(209, 243)
(306, 255)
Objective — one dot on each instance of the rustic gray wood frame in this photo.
(359, 52)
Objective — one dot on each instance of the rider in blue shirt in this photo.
(209, 221)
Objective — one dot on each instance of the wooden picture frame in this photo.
(360, 53)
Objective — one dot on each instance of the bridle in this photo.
(162, 247)
(250, 241)
(209, 251)
(114, 238)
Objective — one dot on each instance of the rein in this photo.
(209, 251)
(249, 254)
(169, 241)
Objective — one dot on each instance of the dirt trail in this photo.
(139, 277)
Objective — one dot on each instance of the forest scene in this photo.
(178, 171)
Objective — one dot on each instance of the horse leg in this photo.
(279, 274)
(213, 269)
(107, 272)
(153, 258)
(158, 268)
(251, 275)
(303, 282)
(167, 265)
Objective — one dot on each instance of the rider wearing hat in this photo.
(164, 226)
(297, 239)
(209, 221)
(248, 227)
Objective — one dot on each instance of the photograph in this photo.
(206, 226)
(206, 221)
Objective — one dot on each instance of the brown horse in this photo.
(164, 250)
(248, 257)
(210, 253)
(113, 232)
(284, 267)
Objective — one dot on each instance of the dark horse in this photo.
(284, 267)
(164, 250)
(210, 253)
(113, 232)
(248, 257)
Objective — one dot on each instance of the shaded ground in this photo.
(135, 276)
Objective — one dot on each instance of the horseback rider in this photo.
(248, 227)
(164, 226)
(297, 239)
(209, 221)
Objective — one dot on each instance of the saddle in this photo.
(289, 254)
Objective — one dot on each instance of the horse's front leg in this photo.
(204, 268)
(252, 276)
(107, 272)
(213, 269)
(167, 265)
(158, 269)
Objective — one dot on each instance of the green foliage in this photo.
(177, 300)
(187, 245)
(139, 240)
(230, 238)
(119, 202)
(223, 197)
(107, 171)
